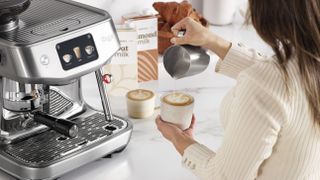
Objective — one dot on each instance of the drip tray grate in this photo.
(48, 147)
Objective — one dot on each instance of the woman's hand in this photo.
(197, 35)
(180, 139)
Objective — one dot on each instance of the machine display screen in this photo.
(77, 52)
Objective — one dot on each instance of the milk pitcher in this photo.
(185, 60)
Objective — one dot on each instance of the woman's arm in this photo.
(197, 35)
(256, 118)
(234, 57)
(238, 59)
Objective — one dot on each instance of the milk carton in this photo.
(147, 29)
(124, 64)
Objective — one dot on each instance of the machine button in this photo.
(67, 58)
(44, 60)
(89, 50)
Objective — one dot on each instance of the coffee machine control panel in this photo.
(77, 52)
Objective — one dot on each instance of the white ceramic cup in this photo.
(177, 108)
(219, 12)
(140, 103)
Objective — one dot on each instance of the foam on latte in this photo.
(140, 95)
(178, 99)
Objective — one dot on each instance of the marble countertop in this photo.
(149, 155)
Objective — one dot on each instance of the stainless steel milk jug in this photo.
(185, 60)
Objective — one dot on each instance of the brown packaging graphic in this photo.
(147, 29)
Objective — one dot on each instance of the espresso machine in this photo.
(46, 127)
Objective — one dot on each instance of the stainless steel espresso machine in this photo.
(46, 128)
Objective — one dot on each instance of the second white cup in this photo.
(140, 103)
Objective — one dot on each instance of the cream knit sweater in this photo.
(268, 135)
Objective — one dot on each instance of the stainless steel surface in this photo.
(30, 51)
(103, 95)
(70, 157)
(184, 60)
(21, 97)
(59, 104)
(20, 125)
(9, 26)
(39, 76)
(50, 146)
(2, 133)
(9, 12)
(54, 157)
(46, 19)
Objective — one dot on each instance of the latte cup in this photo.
(177, 108)
(140, 103)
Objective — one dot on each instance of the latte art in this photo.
(178, 99)
(140, 95)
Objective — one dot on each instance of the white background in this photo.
(149, 156)
(119, 7)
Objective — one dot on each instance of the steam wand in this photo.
(101, 79)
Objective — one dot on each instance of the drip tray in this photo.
(50, 147)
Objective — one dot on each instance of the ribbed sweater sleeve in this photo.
(253, 125)
(238, 59)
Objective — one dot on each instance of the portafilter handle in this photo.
(62, 126)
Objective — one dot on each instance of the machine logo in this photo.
(108, 38)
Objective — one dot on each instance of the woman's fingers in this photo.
(162, 124)
(180, 25)
(175, 32)
(159, 122)
(189, 131)
(193, 122)
(183, 25)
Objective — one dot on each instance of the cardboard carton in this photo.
(147, 29)
(124, 64)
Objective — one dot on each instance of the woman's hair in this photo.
(292, 29)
